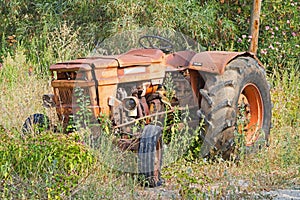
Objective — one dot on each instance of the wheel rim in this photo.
(250, 113)
(157, 160)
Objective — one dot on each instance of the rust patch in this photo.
(181, 58)
(208, 61)
(131, 58)
(215, 61)
(140, 57)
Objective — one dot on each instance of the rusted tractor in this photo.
(218, 87)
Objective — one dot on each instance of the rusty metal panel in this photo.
(68, 66)
(215, 61)
(105, 62)
(143, 73)
(203, 61)
(86, 63)
(140, 57)
(131, 58)
(180, 58)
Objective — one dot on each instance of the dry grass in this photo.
(21, 91)
(273, 167)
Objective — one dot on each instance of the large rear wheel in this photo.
(236, 103)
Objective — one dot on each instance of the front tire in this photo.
(237, 101)
(35, 124)
(150, 155)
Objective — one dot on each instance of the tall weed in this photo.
(21, 91)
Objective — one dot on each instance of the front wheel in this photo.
(150, 155)
(35, 124)
(236, 103)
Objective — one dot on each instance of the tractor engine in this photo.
(147, 102)
(135, 101)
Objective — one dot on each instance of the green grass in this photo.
(48, 165)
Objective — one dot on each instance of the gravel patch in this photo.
(282, 194)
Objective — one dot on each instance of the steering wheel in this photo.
(164, 44)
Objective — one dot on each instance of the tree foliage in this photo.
(217, 25)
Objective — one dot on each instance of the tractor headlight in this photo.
(130, 104)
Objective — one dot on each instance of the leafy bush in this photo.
(44, 166)
(279, 35)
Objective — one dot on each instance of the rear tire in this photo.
(241, 93)
(150, 156)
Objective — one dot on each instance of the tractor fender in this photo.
(216, 61)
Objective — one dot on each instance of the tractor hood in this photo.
(208, 61)
(131, 58)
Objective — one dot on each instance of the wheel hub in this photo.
(250, 113)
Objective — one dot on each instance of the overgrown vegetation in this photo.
(47, 166)
(217, 25)
(35, 34)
